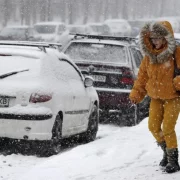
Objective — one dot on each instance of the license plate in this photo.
(99, 78)
(4, 102)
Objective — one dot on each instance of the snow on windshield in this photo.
(17, 63)
(97, 28)
(104, 53)
(76, 29)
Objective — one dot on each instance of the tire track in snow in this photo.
(127, 165)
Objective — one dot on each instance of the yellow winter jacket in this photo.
(156, 73)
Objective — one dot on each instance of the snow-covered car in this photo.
(97, 29)
(44, 96)
(76, 28)
(118, 27)
(113, 62)
(137, 24)
(51, 32)
(17, 33)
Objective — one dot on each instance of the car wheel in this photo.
(104, 116)
(90, 134)
(53, 146)
(57, 134)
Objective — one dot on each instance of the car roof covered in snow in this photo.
(94, 24)
(104, 41)
(28, 51)
(49, 23)
(18, 26)
(115, 20)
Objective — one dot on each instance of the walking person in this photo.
(156, 79)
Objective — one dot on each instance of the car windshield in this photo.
(76, 29)
(104, 53)
(13, 32)
(45, 29)
(97, 28)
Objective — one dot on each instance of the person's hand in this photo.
(133, 102)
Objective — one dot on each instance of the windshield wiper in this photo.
(12, 73)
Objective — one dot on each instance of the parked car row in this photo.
(48, 95)
(18, 33)
(60, 32)
(113, 27)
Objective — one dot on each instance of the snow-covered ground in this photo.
(119, 153)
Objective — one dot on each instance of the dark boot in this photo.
(164, 161)
(173, 164)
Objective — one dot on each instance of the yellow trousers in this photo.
(163, 115)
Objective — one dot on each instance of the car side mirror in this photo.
(88, 82)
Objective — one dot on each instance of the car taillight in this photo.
(127, 80)
(38, 98)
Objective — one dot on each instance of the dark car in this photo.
(113, 62)
(17, 33)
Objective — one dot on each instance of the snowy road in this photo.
(126, 153)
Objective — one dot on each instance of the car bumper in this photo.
(26, 117)
(31, 123)
(113, 100)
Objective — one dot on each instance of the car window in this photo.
(76, 29)
(97, 28)
(94, 52)
(45, 29)
(137, 56)
(69, 71)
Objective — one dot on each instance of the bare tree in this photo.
(42, 6)
(22, 11)
(106, 9)
(86, 4)
(7, 6)
(49, 10)
(70, 11)
(82, 11)
(27, 12)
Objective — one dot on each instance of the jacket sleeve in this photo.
(138, 91)
(176, 80)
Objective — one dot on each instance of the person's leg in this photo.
(171, 112)
(155, 120)
(156, 112)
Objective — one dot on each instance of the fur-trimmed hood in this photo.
(164, 29)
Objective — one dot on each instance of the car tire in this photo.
(90, 134)
(57, 134)
(53, 146)
(104, 116)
